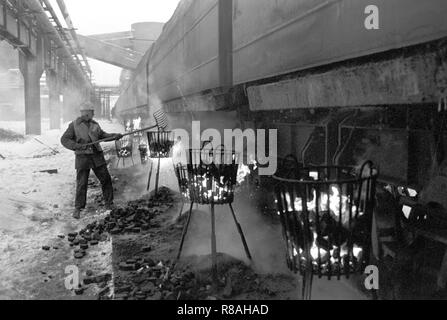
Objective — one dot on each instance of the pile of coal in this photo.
(83, 240)
(134, 218)
(163, 198)
(143, 279)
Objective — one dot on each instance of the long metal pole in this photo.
(185, 231)
(124, 135)
(150, 174)
(157, 179)
(214, 248)
(241, 233)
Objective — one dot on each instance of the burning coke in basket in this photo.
(144, 153)
(326, 215)
(209, 177)
(160, 144)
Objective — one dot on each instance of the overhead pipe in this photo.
(54, 19)
(49, 29)
(73, 33)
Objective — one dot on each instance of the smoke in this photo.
(264, 239)
(145, 96)
(11, 85)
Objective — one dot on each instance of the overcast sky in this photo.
(104, 16)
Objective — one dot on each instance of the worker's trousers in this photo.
(102, 173)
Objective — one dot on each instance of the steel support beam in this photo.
(17, 28)
(63, 52)
(32, 68)
(111, 54)
(120, 39)
(71, 28)
(399, 81)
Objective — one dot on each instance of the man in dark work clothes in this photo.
(82, 131)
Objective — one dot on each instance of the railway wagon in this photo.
(341, 80)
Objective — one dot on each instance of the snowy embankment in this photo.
(26, 188)
(36, 207)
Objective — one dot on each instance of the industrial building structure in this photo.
(338, 91)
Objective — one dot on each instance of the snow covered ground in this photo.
(36, 207)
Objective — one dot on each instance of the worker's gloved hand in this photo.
(80, 147)
(118, 136)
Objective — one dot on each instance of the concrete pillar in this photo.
(54, 85)
(32, 68)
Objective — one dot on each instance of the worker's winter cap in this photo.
(87, 106)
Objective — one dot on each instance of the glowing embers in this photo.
(124, 147)
(326, 216)
(208, 188)
(245, 171)
(328, 260)
(125, 152)
(160, 144)
(209, 177)
(339, 205)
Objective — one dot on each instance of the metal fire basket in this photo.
(144, 153)
(160, 147)
(326, 215)
(124, 150)
(209, 178)
(160, 143)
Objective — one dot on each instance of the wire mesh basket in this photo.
(144, 153)
(326, 215)
(124, 147)
(209, 177)
(160, 143)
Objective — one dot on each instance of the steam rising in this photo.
(11, 84)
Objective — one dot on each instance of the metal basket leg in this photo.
(157, 180)
(185, 231)
(150, 174)
(241, 233)
(307, 285)
(214, 248)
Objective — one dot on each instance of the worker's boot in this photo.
(77, 214)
